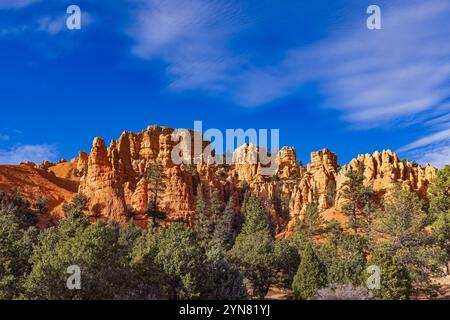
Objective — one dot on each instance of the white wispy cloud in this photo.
(57, 23)
(4, 137)
(16, 4)
(25, 153)
(439, 157)
(437, 154)
(52, 25)
(395, 76)
(428, 140)
(191, 37)
(433, 148)
(373, 77)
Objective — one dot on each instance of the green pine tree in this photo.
(203, 222)
(310, 277)
(360, 202)
(254, 249)
(227, 282)
(256, 216)
(155, 178)
(182, 262)
(15, 250)
(403, 227)
(344, 256)
(395, 280)
(225, 227)
(439, 194)
(313, 220)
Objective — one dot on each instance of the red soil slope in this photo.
(31, 183)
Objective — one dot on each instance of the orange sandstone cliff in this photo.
(114, 178)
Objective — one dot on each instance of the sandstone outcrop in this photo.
(114, 177)
(383, 170)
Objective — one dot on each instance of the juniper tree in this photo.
(344, 256)
(439, 193)
(15, 250)
(78, 206)
(403, 227)
(182, 262)
(15, 204)
(92, 247)
(226, 281)
(254, 249)
(395, 282)
(311, 275)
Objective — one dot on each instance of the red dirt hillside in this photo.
(32, 182)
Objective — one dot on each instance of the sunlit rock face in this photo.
(114, 177)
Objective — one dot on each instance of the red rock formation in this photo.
(115, 180)
(103, 183)
(114, 177)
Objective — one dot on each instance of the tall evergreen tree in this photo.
(360, 202)
(313, 221)
(227, 282)
(15, 250)
(402, 226)
(287, 261)
(344, 256)
(215, 205)
(254, 249)
(439, 193)
(203, 222)
(155, 178)
(256, 216)
(310, 277)
(395, 282)
(225, 227)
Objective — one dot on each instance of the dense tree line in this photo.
(226, 254)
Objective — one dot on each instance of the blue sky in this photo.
(309, 68)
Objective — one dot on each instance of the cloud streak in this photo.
(16, 4)
(372, 77)
(397, 76)
(191, 37)
(431, 139)
(25, 153)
